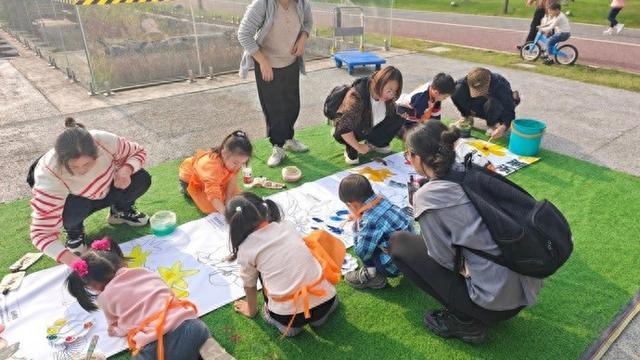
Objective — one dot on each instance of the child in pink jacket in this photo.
(134, 301)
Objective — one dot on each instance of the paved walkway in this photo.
(590, 122)
(485, 32)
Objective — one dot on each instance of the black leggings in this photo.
(380, 135)
(612, 16)
(535, 21)
(410, 255)
(78, 208)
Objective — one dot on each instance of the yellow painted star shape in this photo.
(137, 257)
(376, 175)
(174, 278)
(487, 148)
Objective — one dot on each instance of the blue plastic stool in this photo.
(357, 58)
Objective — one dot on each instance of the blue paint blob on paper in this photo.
(318, 220)
(342, 212)
(335, 230)
(337, 218)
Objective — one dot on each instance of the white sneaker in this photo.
(277, 154)
(295, 146)
(349, 161)
(381, 150)
(609, 31)
(619, 28)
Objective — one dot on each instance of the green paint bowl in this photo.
(163, 223)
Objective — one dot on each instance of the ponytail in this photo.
(98, 266)
(435, 144)
(237, 143)
(244, 213)
(77, 289)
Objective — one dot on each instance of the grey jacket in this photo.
(447, 217)
(256, 24)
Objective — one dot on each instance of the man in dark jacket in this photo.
(488, 96)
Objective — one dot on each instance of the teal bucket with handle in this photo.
(526, 135)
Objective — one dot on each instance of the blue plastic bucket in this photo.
(526, 135)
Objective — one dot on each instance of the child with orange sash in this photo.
(210, 178)
(376, 218)
(138, 305)
(298, 276)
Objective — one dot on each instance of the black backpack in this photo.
(533, 236)
(334, 100)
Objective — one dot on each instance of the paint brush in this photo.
(92, 347)
(380, 160)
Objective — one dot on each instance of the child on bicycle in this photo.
(556, 23)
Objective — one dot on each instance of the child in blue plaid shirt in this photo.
(376, 218)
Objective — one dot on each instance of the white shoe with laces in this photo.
(295, 146)
(277, 155)
(350, 161)
(619, 28)
(381, 150)
(609, 31)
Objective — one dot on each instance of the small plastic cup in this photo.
(163, 223)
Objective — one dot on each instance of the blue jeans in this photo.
(555, 39)
(182, 343)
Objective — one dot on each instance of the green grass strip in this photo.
(575, 305)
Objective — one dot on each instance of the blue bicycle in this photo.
(565, 54)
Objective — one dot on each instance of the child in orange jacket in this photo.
(210, 178)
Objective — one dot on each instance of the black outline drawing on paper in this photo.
(221, 268)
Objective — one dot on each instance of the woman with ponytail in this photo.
(86, 171)
(483, 292)
(134, 302)
(274, 252)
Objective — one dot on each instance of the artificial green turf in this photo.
(575, 305)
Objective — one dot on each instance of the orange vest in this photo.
(329, 251)
(158, 318)
(193, 171)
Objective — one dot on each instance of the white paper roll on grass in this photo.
(291, 174)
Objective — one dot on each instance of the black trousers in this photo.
(78, 208)
(317, 313)
(535, 21)
(410, 255)
(612, 16)
(380, 135)
(280, 101)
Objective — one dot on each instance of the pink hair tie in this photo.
(104, 244)
(80, 267)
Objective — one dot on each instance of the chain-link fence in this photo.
(116, 44)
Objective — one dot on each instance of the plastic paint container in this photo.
(163, 223)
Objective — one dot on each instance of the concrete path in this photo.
(485, 32)
(594, 123)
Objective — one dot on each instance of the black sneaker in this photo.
(445, 324)
(131, 217)
(76, 244)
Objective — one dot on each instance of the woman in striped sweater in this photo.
(86, 171)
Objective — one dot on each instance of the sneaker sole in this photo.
(113, 221)
(294, 150)
(365, 286)
(469, 338)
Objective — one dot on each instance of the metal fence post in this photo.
(92, 83)
(195, 34)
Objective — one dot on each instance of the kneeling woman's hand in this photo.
(363, 149)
